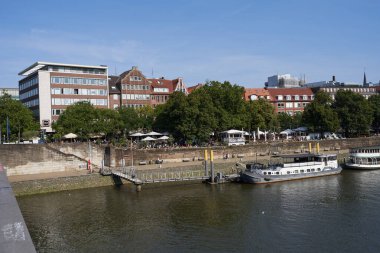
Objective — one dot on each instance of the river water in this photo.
(328, 214)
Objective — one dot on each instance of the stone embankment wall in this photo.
(34, 159)
(60, 184)
(253, 150)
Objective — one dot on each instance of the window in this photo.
(269, 173)
(115, 96)
(308, 170)
(296, 171)
(279, 97)
(280, 105)
(304, 97)
(302, 171)
(296, 97)
(288, 172)
(277, 173)
(288, 97)
(289, 105)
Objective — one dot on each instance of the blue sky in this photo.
(243, 42)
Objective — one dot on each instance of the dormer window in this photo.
(288, 97)
(296, 97)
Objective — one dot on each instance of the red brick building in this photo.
(290, 100)
(133, 89)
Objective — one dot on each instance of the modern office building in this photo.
(284, 81)
(48, 88)
(13, 92)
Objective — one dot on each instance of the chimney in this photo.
(333, 78)
(134, 67)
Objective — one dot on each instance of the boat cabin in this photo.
(233, 137)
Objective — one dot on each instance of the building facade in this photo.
(48, 88)
(283, 81)
(133, 89)
(290, 100)
(251, 94)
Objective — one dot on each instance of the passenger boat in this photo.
(291, 167)
(366, 158)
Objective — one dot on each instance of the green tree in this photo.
(354, 112)
(146, 117)
(374, 102)
(108, 123)
(261, 114)
(319, 116)
(287, 121)
(79, 118)
(20, 118)
(129, 118)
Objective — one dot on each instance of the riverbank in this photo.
(72, 180)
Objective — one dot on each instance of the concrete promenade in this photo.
(14, 235)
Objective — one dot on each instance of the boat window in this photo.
(308, 170)
(265, 173)
(319, 169)
(278, 173)
(296, 171)
(302, 171)
(288, 172)
(269, 173)
(332, 158)
(312, 170)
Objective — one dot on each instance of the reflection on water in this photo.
(328, 214)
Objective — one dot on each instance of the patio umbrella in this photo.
(137, 135)
(152, 134)
(163, 138)
(70, 136)
(149, 139)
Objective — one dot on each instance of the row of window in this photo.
(135, 78)
(296, 97)
(28, 83)
(135, 105)
(70, 91)
(357, 90)
(31, 103)
(136, 96)
(135, 87)
(161, 90)
(70, 101)
(29, 93)
(291, 172)
(162, 98)
(78, 80)
(77, 70)
(291, 105)
(57, 112)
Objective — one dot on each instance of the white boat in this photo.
(292, 167)
(366, 158)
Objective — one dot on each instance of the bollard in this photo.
(212, 166)
(138, 187)
(206, 171)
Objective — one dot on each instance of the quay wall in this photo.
(58, 157)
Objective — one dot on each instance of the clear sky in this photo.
(243, 42)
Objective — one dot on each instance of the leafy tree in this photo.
(374, 102)
(129, 118)
(146, 117)
(319, 116)
(21, 119)
(80, 118)
(354, 111)
(108, 122)
(261, 114)
(287, 121)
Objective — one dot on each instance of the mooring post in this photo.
(138, 187)
(205, 159)
(212, 166)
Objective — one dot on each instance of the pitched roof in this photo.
(193, 88)
(163, 83)
(113, 88)
(273, 92)
(259, 92)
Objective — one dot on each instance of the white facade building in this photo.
(48, 88)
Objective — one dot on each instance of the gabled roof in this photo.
(113, 87)
(163, 83)
(259, 92)
(273, 92)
